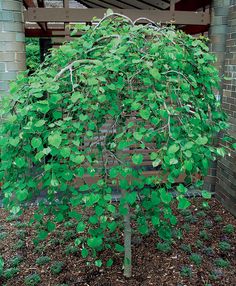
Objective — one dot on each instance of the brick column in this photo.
(226, 167)
(217, 34)
(12, 42)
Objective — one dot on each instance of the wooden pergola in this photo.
(42, 20)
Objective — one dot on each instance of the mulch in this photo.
(150, 266)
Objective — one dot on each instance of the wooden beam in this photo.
(30, 4)
(86, 15)
(39, 33)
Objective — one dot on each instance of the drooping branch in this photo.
(69, 67)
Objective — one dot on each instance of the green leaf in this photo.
(155, 73)
(119, 248)
(42, 235)
(188, 165)
(36, 142)
(55, 139)
(165, 197)
(137, 159)
(80, 227)
(39, 123)
(155, 220)
(109, 262)
(84, 252)
(94, 242)
(220, 151)
(156, 163)
(14, 141)
(22, 195)
(20, 162)
(183, 203)
(145, 113)
(131, 197)
(206, 195)
(51, 226)
(173, 149)
(188, 145)
(78, 159)
(202, 140)
(173, 161)
(111, 208)
(143, 229)
(65, 152)
(138, 136)
(76, 96)
(98, 263)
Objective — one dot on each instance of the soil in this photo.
(150, 266)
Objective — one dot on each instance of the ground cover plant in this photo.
(151, 265)
(83, 125)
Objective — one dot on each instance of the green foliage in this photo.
(190, 219)
(32, 50)
(21, 224)
(208, 251)
(42, 260)
(57, 267)
(186, 227)
(228, 229)
(186, 248)
(222, 263)
(21, 233)
(224, 246)
(186, 212)
(10, 273)
(164, 247)
(71, 249)
(196, 259)
(199, 243)
(201, 214)
(1, 265)
(32, 280)
(208, 223)
(69, 234)
(218, 218)
(203, 234)
(3, 235)
(20, 244)
(15, 261)
(145, 84)
(186, 271)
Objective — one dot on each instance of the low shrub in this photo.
(42, 260)
(222, 263)
(10, 272)
(32, 280)
(57, 267)
(196, 259)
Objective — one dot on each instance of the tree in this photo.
(83, 124)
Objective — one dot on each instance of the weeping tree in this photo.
(90, 118)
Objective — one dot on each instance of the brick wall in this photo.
(226, 167)
(217, 34)
(12, 42)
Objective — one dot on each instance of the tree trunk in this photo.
(127, 241)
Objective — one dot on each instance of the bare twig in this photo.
(113, 15)
(68, 67)
(179, 73)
